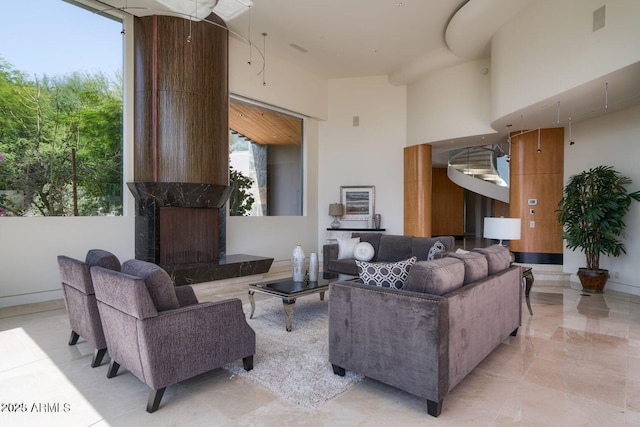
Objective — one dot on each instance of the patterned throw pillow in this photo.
(385, 274)
(436, 251)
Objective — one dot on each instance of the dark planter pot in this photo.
(593, 280)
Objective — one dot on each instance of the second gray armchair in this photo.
(160, 333)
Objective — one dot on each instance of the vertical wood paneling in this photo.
(447, 212)
(187, 235)
(537, 175)
(182, 98)
(417, 190)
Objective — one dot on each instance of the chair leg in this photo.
(98, 355)
(73, 339)
(434, 408)
(113, 369)
(155, 396)
(338, 370)
(515, 332)
(247, 362)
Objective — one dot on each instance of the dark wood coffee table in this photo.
(288, 290)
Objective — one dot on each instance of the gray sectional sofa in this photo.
(426, 337)
(387, 248)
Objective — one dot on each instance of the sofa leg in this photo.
(98, 355)
(338, 370)
(113, 369)
(73, 339)
(434, 408)
(155, 396)
(247, 363)
(515, 332)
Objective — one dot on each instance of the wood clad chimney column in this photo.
(417, 190)
(181, 101)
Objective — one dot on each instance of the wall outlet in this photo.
(616, 275)
(532, 224)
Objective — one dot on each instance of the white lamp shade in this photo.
(502, 228)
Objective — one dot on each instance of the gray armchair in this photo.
(80, 299)
(161, 334)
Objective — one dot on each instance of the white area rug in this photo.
(294, 365)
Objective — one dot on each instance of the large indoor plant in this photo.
(592, 210)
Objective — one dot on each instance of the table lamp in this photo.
(336, 210)
(502, 228)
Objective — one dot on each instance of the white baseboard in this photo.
(11, 300)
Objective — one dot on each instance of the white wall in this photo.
(290, 88)
(450, 103)
(609, 140)
(550, 48)
(368, 154)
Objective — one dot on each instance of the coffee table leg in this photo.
(321, 296)
(289, 306)
(253, 304)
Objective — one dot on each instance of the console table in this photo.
(344, 233)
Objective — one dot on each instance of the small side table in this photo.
(527, 281)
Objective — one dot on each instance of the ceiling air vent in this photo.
(298, 47)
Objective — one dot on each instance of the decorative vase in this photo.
(376, 221)
(314, 267)
(297, 264)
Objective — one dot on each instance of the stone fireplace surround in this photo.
(182, 227)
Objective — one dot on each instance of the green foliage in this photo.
(42, 121)
(592, 211)
(241, 201)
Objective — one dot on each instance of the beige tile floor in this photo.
(575, 362)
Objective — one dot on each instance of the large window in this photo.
(265, 149)
(60, 110)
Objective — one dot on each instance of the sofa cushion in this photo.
(437, 277)
(475, 265)
(160, 286)
(363, 251)
(394, 248)
(498, 257)
(422, 245)
(385, 274)
(346, 246)
(343, 266)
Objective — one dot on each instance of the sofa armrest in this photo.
(329, 252)
(482, 315)
(394, 336)
(208, 335)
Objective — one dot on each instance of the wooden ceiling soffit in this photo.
(264, 126)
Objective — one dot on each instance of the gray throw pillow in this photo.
(385, 274)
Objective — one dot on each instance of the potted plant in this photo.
(592, 210)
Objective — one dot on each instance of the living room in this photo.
(550, 51)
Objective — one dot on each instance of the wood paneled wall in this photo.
(181, 101)
(537, 175)
(417, 190)
(447, 206)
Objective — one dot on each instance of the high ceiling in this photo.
(404, 39)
